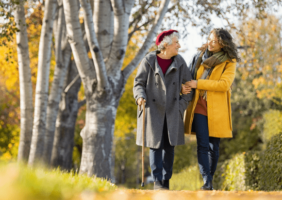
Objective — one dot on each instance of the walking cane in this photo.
(143, 144)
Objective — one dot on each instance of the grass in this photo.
(21, 182)
(188, 179)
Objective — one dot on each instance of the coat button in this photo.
(175, 99)
(173, 83)
(156, 84)
(154, 100)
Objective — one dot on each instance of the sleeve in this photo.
(221, 85)
(140, 81)
(185, 98)
(192, 63)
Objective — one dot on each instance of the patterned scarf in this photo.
(209, 64)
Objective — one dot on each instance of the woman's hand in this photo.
(192, 84)
(185, 89)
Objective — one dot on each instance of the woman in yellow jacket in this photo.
(209, 113)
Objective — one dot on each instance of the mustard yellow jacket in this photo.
(218, 100)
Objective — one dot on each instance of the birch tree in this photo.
(63, 55)
(26, 100)
(65, 124)
(103, 84)
(41, 95)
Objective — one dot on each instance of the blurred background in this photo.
(256, 107)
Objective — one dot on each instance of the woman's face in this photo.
(213, 44)
(172, 49)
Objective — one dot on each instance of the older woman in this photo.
(158, 82)
(209, 114)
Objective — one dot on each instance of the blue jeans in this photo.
(207, 147)
(161, 159)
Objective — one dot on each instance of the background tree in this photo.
(42, 84)
(65, 126)
(256, 85)
(25, 83)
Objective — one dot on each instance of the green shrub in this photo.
(253, 170)
(272, 124)
(238, 173)
(230, 175)
(252, 163)
(270, 168)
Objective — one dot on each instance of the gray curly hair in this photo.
(168, 40)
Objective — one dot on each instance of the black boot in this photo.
(166, 184)
(158, 185)
(207, 186)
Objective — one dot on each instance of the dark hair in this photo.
(225, 40)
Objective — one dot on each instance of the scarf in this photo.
(209, 64)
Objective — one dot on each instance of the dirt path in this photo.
(183, 195)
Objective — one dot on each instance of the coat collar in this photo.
(152, 60)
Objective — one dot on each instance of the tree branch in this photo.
(99, 65)
(138, 28)
(140, 12)
(122, 9)
(75, 38)
(141, 53)
(103, 18)
(71, 84)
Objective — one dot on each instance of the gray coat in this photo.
(162, 94)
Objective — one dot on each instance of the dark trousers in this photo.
(161, 159)
(207, 147)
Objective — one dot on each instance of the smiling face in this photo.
(213, 44)
(172, 49)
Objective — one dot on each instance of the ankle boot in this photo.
(207, 186)
(166, 184)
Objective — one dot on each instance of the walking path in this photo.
(184, 195)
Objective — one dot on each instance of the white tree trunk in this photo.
(75, 38)
(41, 96)
(65, 124)
(103, 17)
(102, 81)
(63, 55)
(25, 84)
(122, 10)
(101, 107)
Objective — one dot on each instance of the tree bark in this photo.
(102, 81)
(65, 124)
(63, 55)
(41, 96)
(103, 17)
(122, 10)
(25, 84)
